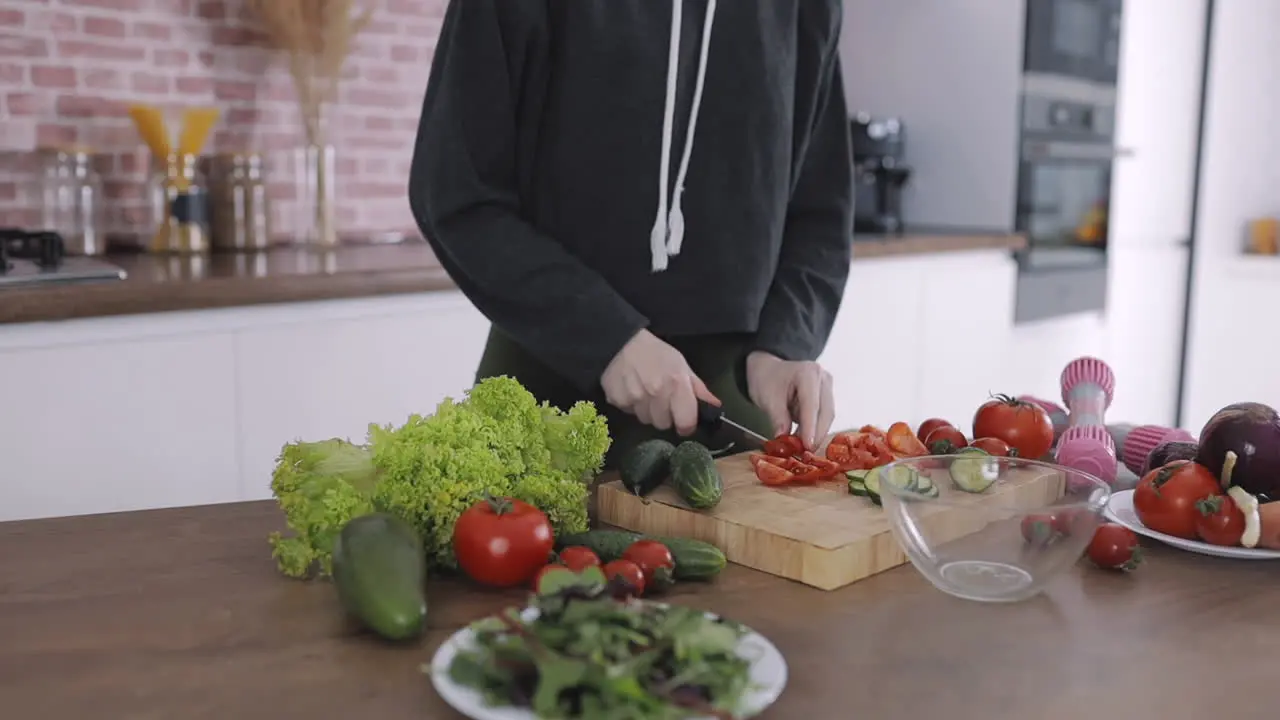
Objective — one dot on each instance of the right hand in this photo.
(651, 380)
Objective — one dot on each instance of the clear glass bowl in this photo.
(987, 528)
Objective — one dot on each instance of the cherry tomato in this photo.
(553, 567)
(871, 430)
(770, 474)
(784, 446)
(1023, 426)
(1220, 521)
(578, 558)
(945, 440)
(1165, 499)
(655, 563)
(1040, 529)
(928, 426)
(1115, 547)
(904, 442)
(629, 575)
(502, 542)
(992, 446)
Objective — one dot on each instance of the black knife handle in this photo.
(709, 416)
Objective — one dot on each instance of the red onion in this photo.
(1240, 445)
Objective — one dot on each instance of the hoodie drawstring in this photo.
(667, 236)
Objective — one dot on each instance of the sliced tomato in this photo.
(871, 430)
(859, 451)
(772, 475)
(822, 466)
(784, 446)
(903, 441)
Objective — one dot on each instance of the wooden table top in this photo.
(180, 614)
(162, 283)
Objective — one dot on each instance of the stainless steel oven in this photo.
(1074, 38)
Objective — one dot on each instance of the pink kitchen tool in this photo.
(1088, 386)
(1141, 440)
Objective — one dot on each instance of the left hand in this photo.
(792, 392)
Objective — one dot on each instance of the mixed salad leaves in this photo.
(578, 652)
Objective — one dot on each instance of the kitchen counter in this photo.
(180, 614)
(161, 284)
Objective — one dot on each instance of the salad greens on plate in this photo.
(578, 652)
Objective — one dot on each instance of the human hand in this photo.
(792, 392)
(651, 380)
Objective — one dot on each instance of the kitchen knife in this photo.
(713, 421)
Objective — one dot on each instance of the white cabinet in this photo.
(1161, 55)
(320, 379)
(123, 424)
(963, 334)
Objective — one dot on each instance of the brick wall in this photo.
(68, 69)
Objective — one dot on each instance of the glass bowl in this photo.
(987, 528)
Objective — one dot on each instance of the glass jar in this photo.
(179, 205)
(239, 208)
(71, 200)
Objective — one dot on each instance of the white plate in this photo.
(768, 676)
(1120, 509)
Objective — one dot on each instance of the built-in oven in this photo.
(1066, 152)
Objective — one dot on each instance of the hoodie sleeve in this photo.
(491, 61)
(816, 249)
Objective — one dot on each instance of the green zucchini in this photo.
(695, 560)
(974, 470)
(694, 476)
(379, 570)
(644, 467)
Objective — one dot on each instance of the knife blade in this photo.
(712, 420)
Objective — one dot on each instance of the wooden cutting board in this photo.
(818, 535)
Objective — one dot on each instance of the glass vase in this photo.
(315, 172)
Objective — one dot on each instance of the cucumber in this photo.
(379, 570)
(694, 476)
(973, 470)
(857, 482)
(901, 476)
(644, 467)
(695, 560)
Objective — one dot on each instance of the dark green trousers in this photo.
(717, 359)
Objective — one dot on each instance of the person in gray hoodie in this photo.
(650, 200)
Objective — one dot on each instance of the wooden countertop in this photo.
(180, 614)
(160, 283)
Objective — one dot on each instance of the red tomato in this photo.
(859, 451)
(553, 567)
(770, 474)
(904, 442)
(1039, 529)
(945, 440)
(992, 446)
(502, 542)
(578, 558)
(784, 446)
(1023, 426)
(1115, 547)
(928, 426)
(871, 430)
(654, 560)
(1165, 499)
(1220, 521)
(1269, 517)
(629, 575)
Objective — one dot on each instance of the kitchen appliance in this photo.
(1066, 150)
(39, 257)
(880, 173)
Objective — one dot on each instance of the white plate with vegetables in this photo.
(1120, 510)
(581, 653)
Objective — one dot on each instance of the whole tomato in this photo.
(655, 562)
(1025, 427)
(578, 558)
(1165, 499)
(625, 577)
(945, 440)
(1220, 521)
(502, 542)
(1114, 547)
(928, 426)
(1039, 530)
(992, 446)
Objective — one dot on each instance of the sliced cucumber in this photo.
(857, 482)
(974, 470)
(900, 476)
(926, 487)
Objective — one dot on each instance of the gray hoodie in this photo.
(588, 168)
